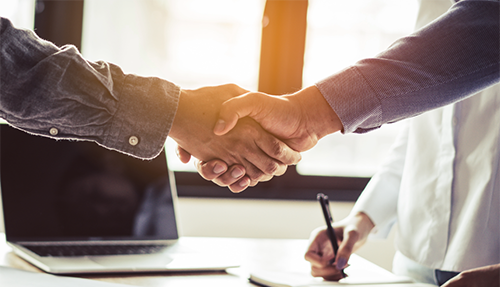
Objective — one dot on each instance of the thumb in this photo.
(345, 249)
(237, 108)
(183, 155)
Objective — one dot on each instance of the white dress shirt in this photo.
(441, 182)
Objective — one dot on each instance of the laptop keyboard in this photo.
(89, 250)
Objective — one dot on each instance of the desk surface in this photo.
(255, 254)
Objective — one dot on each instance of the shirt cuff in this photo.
(143, 120)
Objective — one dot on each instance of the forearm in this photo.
(45, 87)
(444, 62)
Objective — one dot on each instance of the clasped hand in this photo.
(296, 122)
(254, 154)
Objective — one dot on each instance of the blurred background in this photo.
(274, 46)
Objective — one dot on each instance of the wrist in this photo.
(364, 224)
(320, 118)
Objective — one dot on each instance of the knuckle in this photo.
(353, 234)
(232, 86)
(277, 149)
(271, 168)
(255, 174)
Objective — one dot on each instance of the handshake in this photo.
(241, 138)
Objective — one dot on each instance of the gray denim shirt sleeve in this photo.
(446, 61)
(55, 92)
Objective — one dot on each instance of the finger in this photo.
(278, 150)
(346, 248)
(320, 259)
(183, 155)
(255, 173)
(263, 178)
(329, 273)
(314, 258)
(240, 185)
(236, 108)
(268, 154)
(212, 169)
(231, 176)
(262, 165)
(319, 252)
(259, 167)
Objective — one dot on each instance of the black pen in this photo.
(325, 206)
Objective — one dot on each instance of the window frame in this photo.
(281, 66)
(289, 186)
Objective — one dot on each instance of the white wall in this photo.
(269, 219)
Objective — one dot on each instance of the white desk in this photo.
(272, 254)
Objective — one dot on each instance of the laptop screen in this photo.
(74, 190)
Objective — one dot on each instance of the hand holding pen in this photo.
(325, 207)
(350, 234)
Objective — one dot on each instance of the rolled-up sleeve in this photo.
(51, 91)
(448, 60)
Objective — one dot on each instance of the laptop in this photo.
(73, 207)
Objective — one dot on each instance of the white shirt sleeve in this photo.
(379, 199)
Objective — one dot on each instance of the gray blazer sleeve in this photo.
(51, 91)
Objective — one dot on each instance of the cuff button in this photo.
(133, 140)
(53, 131)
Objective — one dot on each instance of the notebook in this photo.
(360, 272)
(74, 207)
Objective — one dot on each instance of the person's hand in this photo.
(260, 153)
(299, 119)
(487, 276)
(351, 234)
(218, 172)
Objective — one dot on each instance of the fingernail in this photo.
(236, 173)
(244, 182)
(341, 262)
(218, 168)
(219, 126)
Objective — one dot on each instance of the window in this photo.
(19, 12)
(338, 34)
(198, 42)
(192, 43)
